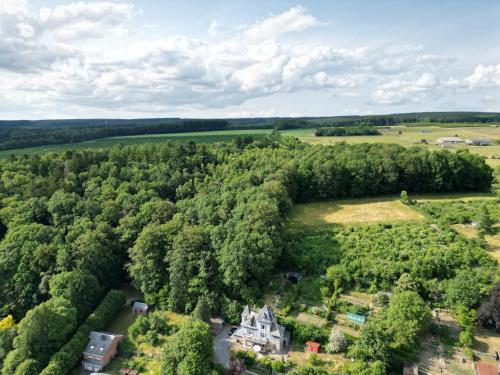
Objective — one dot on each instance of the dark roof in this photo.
(100, 343)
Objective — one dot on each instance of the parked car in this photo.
(232, 330)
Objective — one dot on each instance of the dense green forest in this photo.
(24, 133)
(344, 131)
(185, 222)
(20, 135)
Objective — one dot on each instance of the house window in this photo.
(262, 326)
(262, 335)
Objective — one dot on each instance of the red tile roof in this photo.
(484, 368)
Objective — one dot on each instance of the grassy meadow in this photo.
(413, 135)
(366, 211)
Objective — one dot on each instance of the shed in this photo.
(140, 308)
(356, 318)
(312, 346)
(478, 142)
(128, 371)
(485, 368)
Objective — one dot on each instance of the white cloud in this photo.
(405, 91)
(86, 19)
(293, 20)
(484, 76)
(188, 74)
(213, 28)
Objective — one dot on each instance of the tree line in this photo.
(343, 131)
(13, 137)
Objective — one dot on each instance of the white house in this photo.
(261, 329)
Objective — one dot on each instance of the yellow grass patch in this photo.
(358, 211)
(311, 319)
(469, 232)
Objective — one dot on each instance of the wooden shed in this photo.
(312, 346)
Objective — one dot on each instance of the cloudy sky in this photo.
(159, 58)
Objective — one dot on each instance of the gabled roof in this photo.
(266, 315)
(141, 306)
(246, 311)
(100, 342)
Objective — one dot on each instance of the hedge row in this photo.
(70, 354)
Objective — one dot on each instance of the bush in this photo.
(70, 354)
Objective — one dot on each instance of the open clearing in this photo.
(356, 211)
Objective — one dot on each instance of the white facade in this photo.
(261, 329)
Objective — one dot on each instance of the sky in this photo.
(239, 58)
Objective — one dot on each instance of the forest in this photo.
(343, 131)
(26, 134)
(191, 222)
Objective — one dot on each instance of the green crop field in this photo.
(200, 137)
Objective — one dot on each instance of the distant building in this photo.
(449, 141)
(102, 347)
(312, 346)
(140, 308)
(478, 142)
(485, 368)
(261, 329)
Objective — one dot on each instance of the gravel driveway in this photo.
(222, 346)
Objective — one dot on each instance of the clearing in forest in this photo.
(356, 211)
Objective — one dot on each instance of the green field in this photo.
(200, 137)
(413, 135)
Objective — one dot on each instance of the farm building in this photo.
(102, 347)
(261, 329)
(449, 141)
(312, 346)
(478, 142)
(140, 308)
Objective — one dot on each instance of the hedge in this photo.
(70, 354)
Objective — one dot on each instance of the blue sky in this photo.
(64, 59)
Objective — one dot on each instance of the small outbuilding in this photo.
(140, 308)
(312, 346)
(478, 142)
